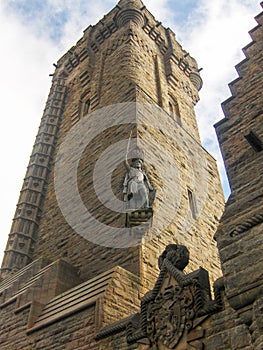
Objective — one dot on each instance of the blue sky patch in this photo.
(40, 16)
(182, 9)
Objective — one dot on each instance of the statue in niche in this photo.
(137, 190)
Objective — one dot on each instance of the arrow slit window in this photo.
(191, 201)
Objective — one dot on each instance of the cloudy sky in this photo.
(36, 33)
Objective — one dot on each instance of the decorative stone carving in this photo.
(247, 224)
(172, 313)
(169, 314)
(130, 14)
(139, 217)
(196, 80)
(178, 255)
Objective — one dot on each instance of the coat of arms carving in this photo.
(173, 312)
(169, 314)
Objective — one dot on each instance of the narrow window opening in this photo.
(254, 141)
(86, 109)
(174, 110)
(192, 205)
(171, 109)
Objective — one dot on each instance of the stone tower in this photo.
(127, 82)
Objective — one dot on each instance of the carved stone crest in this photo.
(169, 315)
(172, 314)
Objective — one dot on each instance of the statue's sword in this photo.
(128, 146)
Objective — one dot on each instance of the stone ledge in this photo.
(74, 300)
(105, 292)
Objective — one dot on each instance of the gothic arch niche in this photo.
(85, 104)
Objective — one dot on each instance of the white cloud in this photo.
(81, 14)
(160, 9)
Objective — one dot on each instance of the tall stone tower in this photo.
(127, 90)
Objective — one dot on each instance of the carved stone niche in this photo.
(174, 314)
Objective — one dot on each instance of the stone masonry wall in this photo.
(76, 332)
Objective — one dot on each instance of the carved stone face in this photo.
(137, 163)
